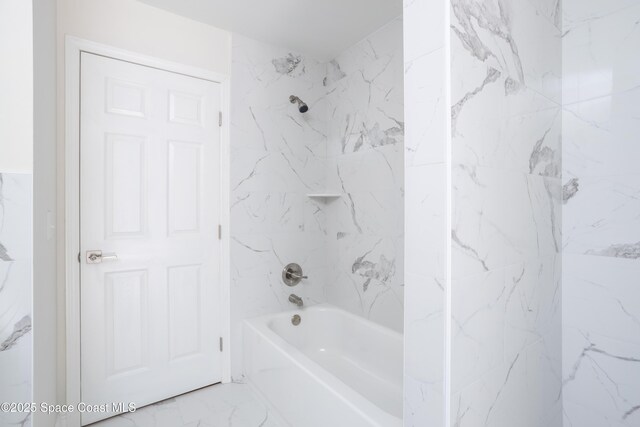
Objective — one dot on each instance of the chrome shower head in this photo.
(302, 107)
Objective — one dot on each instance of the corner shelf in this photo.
(324, 196)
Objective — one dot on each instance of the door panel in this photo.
(126, 299)
(184, 311)
(125, 204)
(185, 160)
(149, 193)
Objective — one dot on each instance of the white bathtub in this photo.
(334, 369)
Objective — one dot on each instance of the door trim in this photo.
(74, 47)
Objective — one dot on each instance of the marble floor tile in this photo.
(221, 405)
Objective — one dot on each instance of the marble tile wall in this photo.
(365, 140)
(426, 141)
(349, 142)
(506, 97)
(277, 156)
(601, 226)
(15, 294)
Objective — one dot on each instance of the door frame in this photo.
(74, 47)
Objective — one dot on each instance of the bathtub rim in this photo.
(352, 398)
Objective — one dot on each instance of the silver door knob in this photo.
(96, 257)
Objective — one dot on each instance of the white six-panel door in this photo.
(149, 194)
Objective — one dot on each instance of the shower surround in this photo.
(365, 134)
(349, 143)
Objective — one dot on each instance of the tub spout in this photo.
(295, 299)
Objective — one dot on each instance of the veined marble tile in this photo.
(15, 374)
(315, 215)
(261, 255)
(539, 44)
(15, 302)
(376, 58)
(542, 387)
(477, 214)
(351, 142)
(521, 46)
(533, 306)
(522, 392)
(422, 402)
(425, 93)
(262, 118)
(600, 136)
(383, 165)
(365, 105)
(366, 277)
(601, 329)
(425, 113)
(600, 380)
(424, 310)
(16, 349)
(501, 218)
(363, 121)
(551, 9)
(506, 213)
(599, 55)
(15, 216)
(577, 12)
(519, 132)
(253, 170)
(268, 212)
(425, 220)
(365, 139)
(488, 123)
(536, 146)
(257, 261)
(602, 297)
(216, 406)
(424, 27)
(601, 218)
(367, 212)
(424, 350)
(477, 319)
(423, 329)
(279, 126)
(601, 232)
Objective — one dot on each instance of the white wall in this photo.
(16, 86)
(137, 27)
(130, 25)
(44, 207)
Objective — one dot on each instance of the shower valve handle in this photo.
(292, 274)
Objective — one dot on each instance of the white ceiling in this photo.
(322, 28)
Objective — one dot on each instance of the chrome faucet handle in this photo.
(292, 274)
